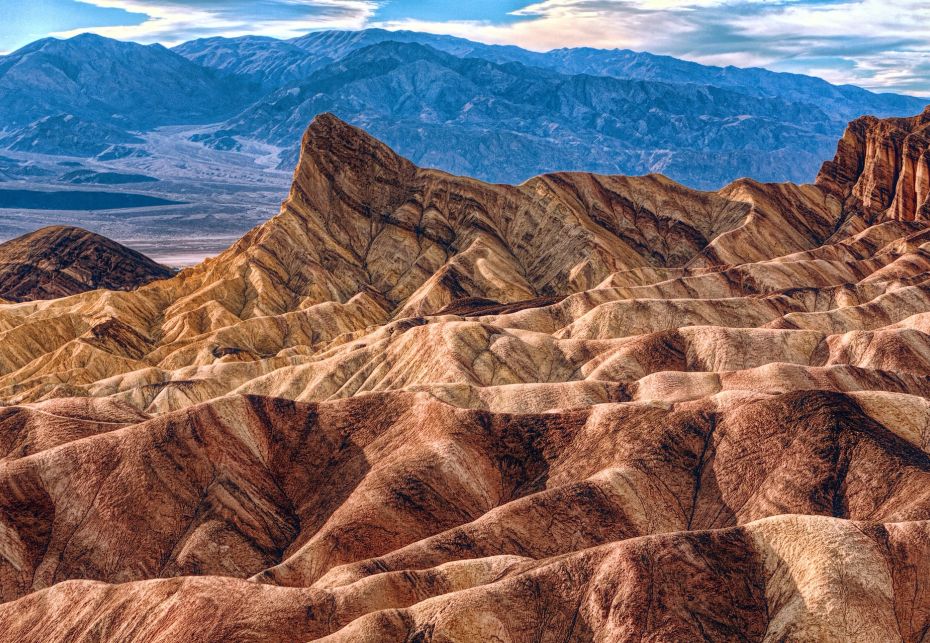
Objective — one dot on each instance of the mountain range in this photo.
(414, 406)
(501, 114)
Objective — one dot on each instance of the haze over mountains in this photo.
(417, 406)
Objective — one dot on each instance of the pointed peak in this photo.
(327, 122)
(328, 126)
(340, 159)
(336, 147)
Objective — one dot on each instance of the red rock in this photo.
(58, 261)
(415, 407)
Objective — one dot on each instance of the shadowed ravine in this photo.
(418, 407)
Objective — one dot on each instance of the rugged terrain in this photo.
(59, 261)
(415, 406)
(213, 126)
(504, 114)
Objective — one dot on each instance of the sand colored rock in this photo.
(414, 406)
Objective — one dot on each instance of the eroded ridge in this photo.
(414, 406)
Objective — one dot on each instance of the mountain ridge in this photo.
(417, 406)
(229, 90)
(539, 116)
(625, 62)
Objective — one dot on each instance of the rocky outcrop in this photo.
(882, 167)
(414, 406)
(59, 261)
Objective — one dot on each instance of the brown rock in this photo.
(59, 261)
(883, 167)
(414, 406)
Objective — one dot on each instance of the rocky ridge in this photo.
(58, 261)
(415, 406)
(883, 167)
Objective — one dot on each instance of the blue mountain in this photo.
(508, 122)
(700, 129)
(499, 113)
(845, 102)
(122, 83)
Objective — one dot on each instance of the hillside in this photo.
(59, 261)
(78, 96)
(416, 406)
(110, 82)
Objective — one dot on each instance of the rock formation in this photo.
(883, 166)
(59, 261)
(414, 406)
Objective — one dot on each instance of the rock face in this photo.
(882, 167)
(414, 406)
(59, 261)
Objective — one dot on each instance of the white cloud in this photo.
(172, 22)
(880, 44)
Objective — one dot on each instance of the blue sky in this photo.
(879, 44)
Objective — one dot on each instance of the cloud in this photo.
(174, 21)
(880, 44)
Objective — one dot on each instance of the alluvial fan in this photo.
(414, 406)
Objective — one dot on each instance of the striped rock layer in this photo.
(414, 406)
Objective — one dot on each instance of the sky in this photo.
(878, 44)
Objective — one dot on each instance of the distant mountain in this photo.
(267, 62)
(505, 123)
(116, 83)
(58, 261)
(701, 127)
(846, 102)
(499, 113)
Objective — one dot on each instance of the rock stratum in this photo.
(414, 406)
(58, 261)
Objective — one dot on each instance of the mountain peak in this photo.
(333, 152)
(329, 135)
(89, 37)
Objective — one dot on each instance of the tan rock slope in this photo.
(58, 261)
(414, 407)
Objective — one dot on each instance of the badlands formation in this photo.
(58, 261)
(418, 407)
